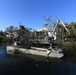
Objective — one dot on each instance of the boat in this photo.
(40, 47)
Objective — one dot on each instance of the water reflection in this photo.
(11, 64)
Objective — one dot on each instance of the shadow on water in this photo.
(20, 64)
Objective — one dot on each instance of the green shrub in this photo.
(1, 40)
(69, 50)
(5, 41)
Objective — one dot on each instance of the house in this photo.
(43, 31)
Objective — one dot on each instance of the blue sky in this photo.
(30, 12)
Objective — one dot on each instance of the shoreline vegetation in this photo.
(69, 51)
(5, 41)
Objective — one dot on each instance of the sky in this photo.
(30, 13)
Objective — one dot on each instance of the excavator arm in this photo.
(63, 25)
(59, 20)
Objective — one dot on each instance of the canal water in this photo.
(20, 64)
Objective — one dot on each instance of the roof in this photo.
(45, 29)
